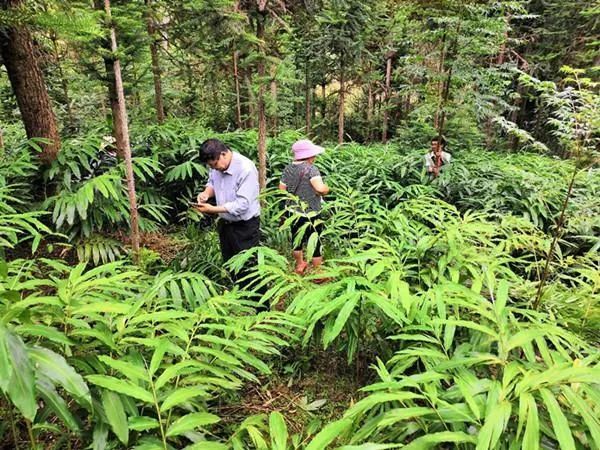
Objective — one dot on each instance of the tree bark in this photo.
(238, 101)
(251, 100)
(27, 81)
(262, 117)
(388, 82)
(273, 109)
(341, 107)
(63, 84)
(156, 69)
(369, 112)
(441, 69)
(307, 99)
(120, 124)
(445, 94)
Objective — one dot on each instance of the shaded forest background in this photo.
(338, 70)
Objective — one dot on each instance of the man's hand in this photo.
(202, 197)
(207, 208)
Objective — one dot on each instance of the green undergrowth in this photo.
(429, 333)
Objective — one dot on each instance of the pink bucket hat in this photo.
(304, 149)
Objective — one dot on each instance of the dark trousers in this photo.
(234, 237)
(308, 231)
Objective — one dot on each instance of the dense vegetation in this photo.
(460, 312)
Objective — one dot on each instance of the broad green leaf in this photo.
(121, 386)
(181, 395)
(191, 422)
(21, 385)
(501, 298)
(531, 437)
(560, 424)
(56, 403)
(56, 368)
(433, 439)
(5, 364)
(117, 419)
(585, 411)
(103, 307)
(206, 445)
(328, 434)
(494, 425)
(129, 369)
(279, 432)
(158, 355)
(399, 414)
(49, 333)
(142, 423)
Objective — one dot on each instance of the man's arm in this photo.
(246, 192)
(206, 194)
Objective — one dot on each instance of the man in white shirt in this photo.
(437, 157)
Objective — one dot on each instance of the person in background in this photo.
(106, 157)
(303, 179)
(437, 157)
(233, 181)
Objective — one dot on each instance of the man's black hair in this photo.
(441, 140)
(211, 149)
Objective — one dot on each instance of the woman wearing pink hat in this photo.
(302, 179)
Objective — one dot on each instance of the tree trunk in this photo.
(388, 83)
(342, 106)
(156, 69)
(238, 100)
(273, 109)
(251, 100)
(445, 94)
(262, 117)
(307, 99)
(27, 81)
(370, 111)
(120, 124)
(63, 84)
(441, 69)
(1, 140)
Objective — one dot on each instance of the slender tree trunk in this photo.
(557, 234)
(262, 117)
(238, 101)
(370, 111)
(1, 140)
(307, 99)
(27, 81)
(342, 106)
(273, 109)
(120, 123)
(63, 84)
(388, 83)
(156, 69)
(446, 90)
(251, 100)
(441, 69)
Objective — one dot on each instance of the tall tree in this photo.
(155, 59)
(27, 81)
(122, 131)
(261, 6)
(341, 22)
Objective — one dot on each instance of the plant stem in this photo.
(12, 422)
(559, 226)
(157, 407)
(30, 433)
